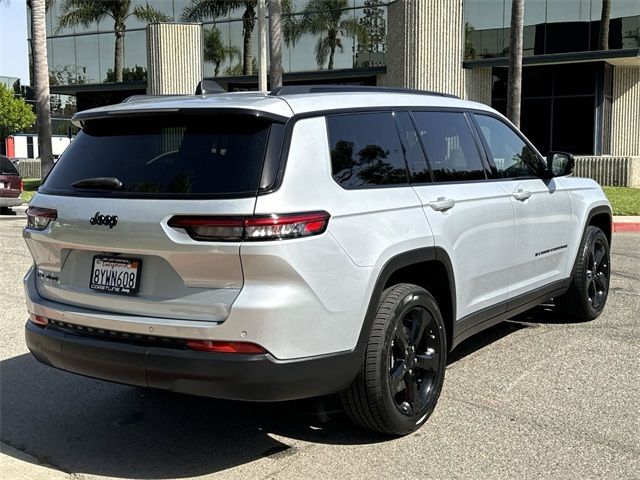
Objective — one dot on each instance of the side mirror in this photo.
(559, 164)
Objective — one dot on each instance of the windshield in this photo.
(178, 155)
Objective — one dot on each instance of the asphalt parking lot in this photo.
(534, 397)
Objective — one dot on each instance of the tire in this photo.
(398, 386)
(587, 294)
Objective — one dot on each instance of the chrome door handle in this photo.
(442, 204)
(522, 195)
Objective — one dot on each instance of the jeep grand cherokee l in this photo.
(304, 242)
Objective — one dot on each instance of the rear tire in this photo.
(587, 294)
(401, 377)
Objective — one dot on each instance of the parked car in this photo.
(11, 185)
(309, 241)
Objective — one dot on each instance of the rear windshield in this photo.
(7, 168)
(177, 155)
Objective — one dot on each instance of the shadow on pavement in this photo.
(81, 425)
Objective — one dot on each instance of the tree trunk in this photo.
(216, 68)
(41, 79)
(514, 87)
(119, 55)
(605, 18)
(248, 22)
(332, 52)
(275, 42)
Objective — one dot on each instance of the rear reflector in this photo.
(38, 319)
(224, 347)
(39, 218)
(253, 228)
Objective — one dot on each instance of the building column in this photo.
(425, 50)
(174, 58)
(625, 111)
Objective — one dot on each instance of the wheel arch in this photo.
(428, 267)
(601, 217)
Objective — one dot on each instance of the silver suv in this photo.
(308, 241)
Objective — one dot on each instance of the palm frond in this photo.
(322, 50)
(149, 14)
(82, 12)
(211, 9)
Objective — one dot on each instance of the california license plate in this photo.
(115, 274)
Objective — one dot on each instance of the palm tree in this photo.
(514, 83)
(85, 12)
(275, 42)
(215, 51)
(605, 19)
(325, 19)
(200, 10)
(41, 80)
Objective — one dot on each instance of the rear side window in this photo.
(451, 150)
(7, 168)
(177, 155)
(366, 150)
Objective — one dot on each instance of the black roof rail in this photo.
(301, 89)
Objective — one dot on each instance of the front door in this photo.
(542, 209)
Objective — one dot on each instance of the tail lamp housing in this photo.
(40, 218)
(252, 228)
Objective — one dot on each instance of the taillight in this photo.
(38, 319)
(253, 228)
(21, 185)
(39, 218)
(225, 347)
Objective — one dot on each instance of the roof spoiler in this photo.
(206, 86)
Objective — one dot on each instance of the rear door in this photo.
(542, 208)
(114, 192)
(471, 217)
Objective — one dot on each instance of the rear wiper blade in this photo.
(110, 183)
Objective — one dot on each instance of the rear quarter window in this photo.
(365, 150)
(178, 155)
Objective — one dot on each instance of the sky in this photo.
(14, 61)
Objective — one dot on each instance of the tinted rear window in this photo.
(176, 155)
(7, 168)
(366, 150)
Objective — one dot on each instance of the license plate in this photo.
(115, 274)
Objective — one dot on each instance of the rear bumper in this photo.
(10, 201)
(227, 376)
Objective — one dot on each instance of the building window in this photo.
(562, 105)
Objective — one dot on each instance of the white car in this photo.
(308, 241)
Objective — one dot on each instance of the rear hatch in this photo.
(10, 181)
(113, 193)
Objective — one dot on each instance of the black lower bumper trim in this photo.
(218, 375)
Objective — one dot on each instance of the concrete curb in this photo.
(626, 224)
(18, 465)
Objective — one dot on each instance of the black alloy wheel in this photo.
(587, 294)
(403, 368)
(597, 274)
(414, 358)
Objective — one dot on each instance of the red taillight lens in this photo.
(38, 319)
(254, 228)
(21, 185)
(225, 347)
(39, 218)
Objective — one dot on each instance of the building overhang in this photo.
(627, 57)
(77, 88)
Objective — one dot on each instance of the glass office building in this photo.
(81, 58)
(567, 83)
(569, 74)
